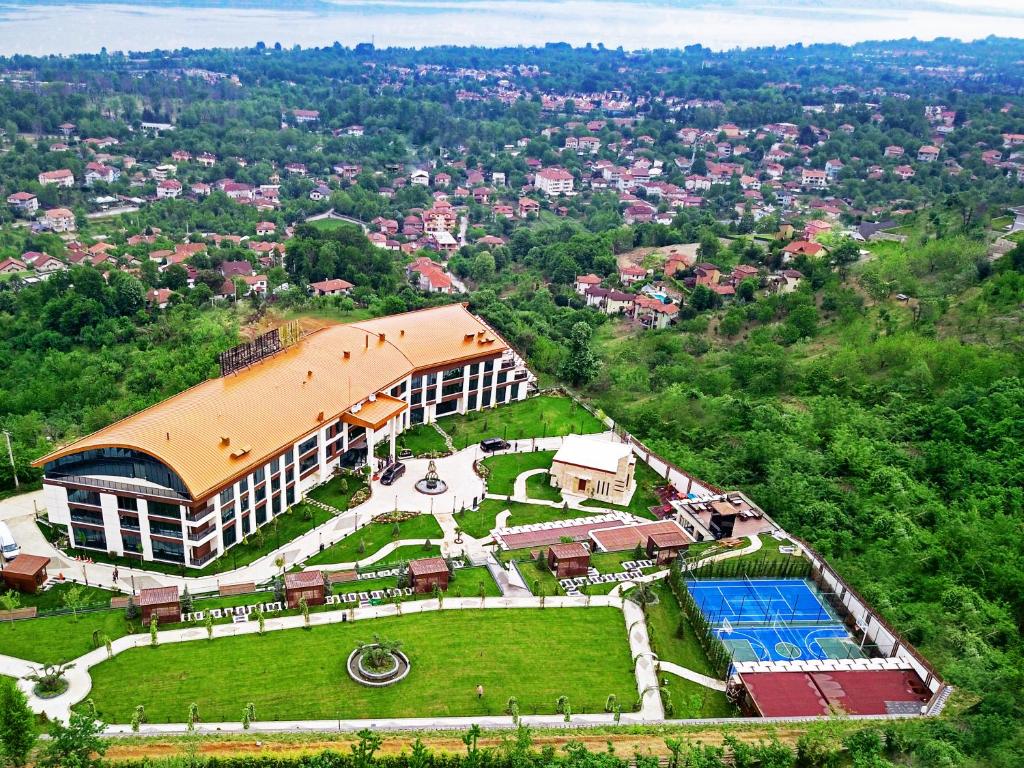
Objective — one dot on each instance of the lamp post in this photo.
(10, 455)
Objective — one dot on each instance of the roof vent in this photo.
(366, 340)
(225, 440)
(240, 452)
(469, 336)
(168, 435)
(320, 416)
(346, 354)
(401, 332)
(381, 338)
(309, 374)
(356, 408)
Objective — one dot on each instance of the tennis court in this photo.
(772, 619)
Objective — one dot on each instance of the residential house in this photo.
(631, 274)
(928, 154)
(335, 287)
(813, 179)
(58, 178)
(59, 220)
(584, 282)
(168, 189)
(12, 266)
(609, 300)
(554, 181)
(99, 172)
(24, 203)
(654, 313)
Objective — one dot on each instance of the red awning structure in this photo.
(855, 692)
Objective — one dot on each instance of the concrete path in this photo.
(693, 677)
(519, 492)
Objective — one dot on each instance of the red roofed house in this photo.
(527, 206)
(428, 573)
(61, 178)
(162, 602)
(654, 313)
(264, 228)
(583, 282)
(12, 266)
(431, 276)
(59, 220)
(567, 560)
(335, 287)
(23, 202)
(630, 274)
(801, 248)
(554, 181)
(304, 585)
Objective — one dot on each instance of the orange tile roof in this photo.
(376, 414)
(276, 402)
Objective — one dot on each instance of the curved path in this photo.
(693, 677)
(377, 556)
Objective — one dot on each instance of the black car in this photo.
(392, 473)
(492, 444)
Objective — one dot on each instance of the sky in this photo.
(72, 26)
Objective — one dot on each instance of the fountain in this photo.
(378, 664)
(431, 484)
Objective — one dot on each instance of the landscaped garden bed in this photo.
(503, 469)
(342, 491)
(535, 655)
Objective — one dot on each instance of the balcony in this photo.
(202, 560)
(197, 535)
(195, 516)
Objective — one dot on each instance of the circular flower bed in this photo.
(51, 693)
(378, 670)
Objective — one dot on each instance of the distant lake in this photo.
(60, 26)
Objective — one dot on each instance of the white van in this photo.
(8, 546)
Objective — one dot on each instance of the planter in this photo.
(364, 675)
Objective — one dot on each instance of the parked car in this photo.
(8, 546)
(392, 473)
(492, 444)
(405, 453)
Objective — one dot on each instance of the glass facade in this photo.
(116, 462)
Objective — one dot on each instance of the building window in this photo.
(432, 380)
(132, 543)
(261, 493)
(169, 550)
(158, 528)
(486, 400)
(129, 522)
(289, 457)
(289, 474)
(472, 402)
(227, 514)
(128, 503)
(88, 516)
(289, 495)
(275, 465)
(307, 445)
(453, 373)
(275, 504)
(417, 382)
(243, 485)
(488, 366)
(275, 483)
(451, 389)
(416, 416)
(227, 495)
(230, 536)
(447, 407)
(474, 369)
(417, 398)
(89, 537)
(244, 504)
(163, 510)
(502, 377)
(261, 514)
(307, 463)
(259, 476)
(79, 496)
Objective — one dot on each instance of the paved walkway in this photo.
(689, 674)
(80, 682)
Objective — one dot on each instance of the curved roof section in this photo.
(225, 427)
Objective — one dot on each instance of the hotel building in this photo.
(186, 479)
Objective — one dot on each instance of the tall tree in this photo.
(17, 724)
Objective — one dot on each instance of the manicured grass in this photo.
(276, 533)
(534, 655)
(405, 554)
(644, 496)
(60, 638)
(422, 439)
(479, 522)
(539, 487)
(53, 598)
(768, 553)
(505, 468)
(539, 580)
(338, 491)
(688, 698)
(375, 536)
(542, 416)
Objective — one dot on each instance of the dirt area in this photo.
(655, 257)
(625, 743)
(272, 319)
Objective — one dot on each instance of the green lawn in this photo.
(60, 638)
(405, 554)
(768, 555)
(644, 496)
(688, 698)
(374, 536)
(542, 416)
(479, 522)
(422, 439)
(53, 598)
(339, 490)
(539, 487)
(505, 468)
(534, 655)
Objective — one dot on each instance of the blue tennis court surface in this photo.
(758, 601)
(772, 619)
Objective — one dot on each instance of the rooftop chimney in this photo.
(346, 354)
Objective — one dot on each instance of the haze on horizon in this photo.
(73, 26)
